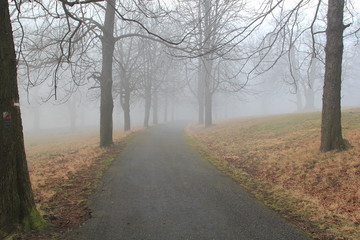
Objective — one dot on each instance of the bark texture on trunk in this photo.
(106, 101)
(17, 207)
(331, 133)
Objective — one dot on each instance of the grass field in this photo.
(65, 168)
(277, 158)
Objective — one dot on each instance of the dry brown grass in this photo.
(283, 153)
(64, 169)
(58, 156)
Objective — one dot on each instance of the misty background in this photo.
(239, 89)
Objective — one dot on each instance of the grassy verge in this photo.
(65, 169)
(277, 159)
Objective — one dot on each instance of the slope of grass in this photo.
(65, 168)
(278, 159)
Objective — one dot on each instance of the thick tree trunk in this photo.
(106, 111)
(155, 107)
(106, 102)
(331, 133)
(17, 207)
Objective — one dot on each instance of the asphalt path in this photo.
(159, 188)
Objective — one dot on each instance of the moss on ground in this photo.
(33, 221)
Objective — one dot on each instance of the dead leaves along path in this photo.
(160, 188)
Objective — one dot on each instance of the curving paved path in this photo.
(160, 189)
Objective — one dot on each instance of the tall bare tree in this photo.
(128, 62)
(331, 130)
(106, 98)
(17, 206)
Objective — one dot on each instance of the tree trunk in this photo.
(106, 102)
(17, 205)
(125, 102)
(208, 107)
(201, 93)
(296, 78)
(147, 106)
(126, 109)
(331, 133)
(201, 81)
(208, 63)
(155, 107)
(309, 90)
(208, 82)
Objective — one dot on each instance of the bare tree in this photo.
(215, 22)
(154, 63)
(128, 60)
(17, 206)
(331, 131)
(285, 30)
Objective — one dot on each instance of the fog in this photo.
(82, 112)
(176, 63)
